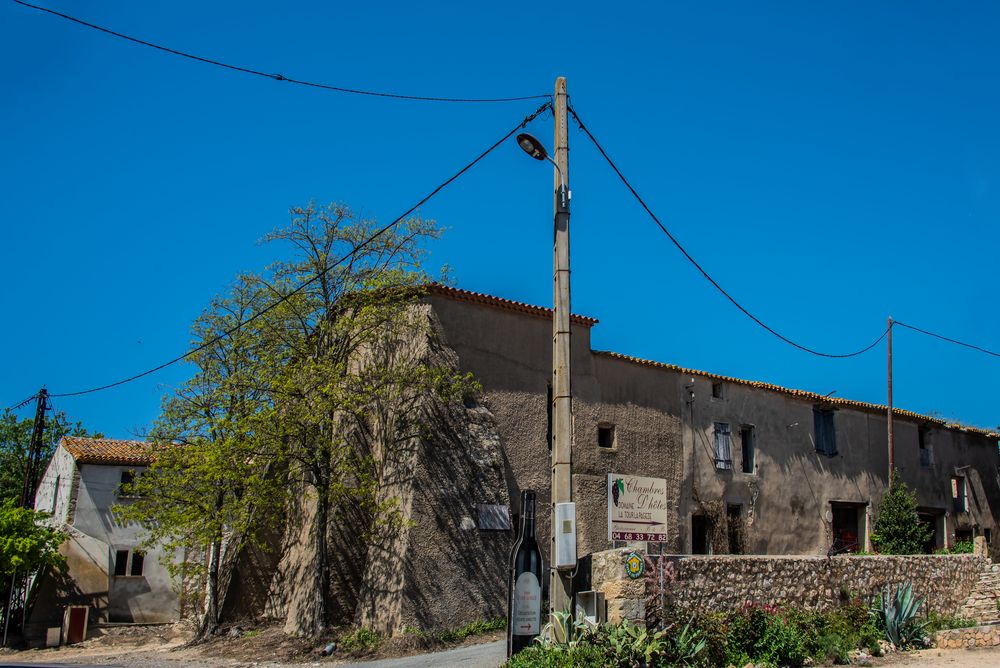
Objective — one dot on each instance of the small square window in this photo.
(718, 391)
(606, 436)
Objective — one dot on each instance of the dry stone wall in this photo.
(728, 582)
(721, 583)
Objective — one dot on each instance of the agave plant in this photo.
(686, 645)
(895, 611)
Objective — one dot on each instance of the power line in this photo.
(945, 338)
(279, 77)
(358, 248)
(702, 270)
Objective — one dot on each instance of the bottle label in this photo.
(527, 604)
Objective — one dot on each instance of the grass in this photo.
(475, 628)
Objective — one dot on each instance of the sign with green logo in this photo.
(637, 508)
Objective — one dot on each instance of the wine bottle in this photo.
(525, 614)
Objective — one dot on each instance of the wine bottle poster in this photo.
(637, 508)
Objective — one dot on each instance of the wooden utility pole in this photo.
(561, 582)
(892, 443)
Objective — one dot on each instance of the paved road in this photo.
(486, 655)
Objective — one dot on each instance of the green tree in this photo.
(350, 336)
(212, 482)
(15, 444)
(898, 529)
(26, 544)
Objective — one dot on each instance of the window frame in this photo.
(723, 441)
(748, 449)
(825, 431)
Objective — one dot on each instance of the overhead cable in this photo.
(279, 77)
(702, 270)
(945, 338)
(284, 298)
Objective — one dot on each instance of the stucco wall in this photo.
(54, 489)
(664, 419)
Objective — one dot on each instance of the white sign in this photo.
(637, 508)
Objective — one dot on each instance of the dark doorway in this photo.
(699, 534)
(930, 520)
(734, 528)
(848, 535)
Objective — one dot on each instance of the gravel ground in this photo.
(939, 658)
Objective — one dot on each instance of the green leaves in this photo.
(895, 612)
(25, 544)
(898, 529)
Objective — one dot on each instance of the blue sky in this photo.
(829, 165)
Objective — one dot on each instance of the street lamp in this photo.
(530, 145)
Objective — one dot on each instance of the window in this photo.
(748, 444)
(926, 454)
(55, 495)
(826, 436)
(137, 559)
(723, 452)
(121, 562)
(127, 478)
(718, 391)
(125, 566)
(606, 436)
(958, 495)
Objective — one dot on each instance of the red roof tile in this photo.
(801, 394)
(499, 302)
(107, 450)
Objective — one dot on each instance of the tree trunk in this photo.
(210, 620)
(322, 564)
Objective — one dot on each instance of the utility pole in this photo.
(561, 582)
(34, 452)
(19, 581)
(892, 443)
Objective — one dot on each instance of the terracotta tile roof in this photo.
(800, 394)
(499, 302)
(107, 450)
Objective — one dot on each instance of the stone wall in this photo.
(720, 583)
(976, 636)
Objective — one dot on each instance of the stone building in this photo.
(106, 569)
(750, 468)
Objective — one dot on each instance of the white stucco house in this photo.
(107, 570)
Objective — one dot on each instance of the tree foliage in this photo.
(26, 544)
(312, 398)
(898, 529)
(15, 445)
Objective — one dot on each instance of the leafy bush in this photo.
(937, 622)
(541, 656)
(895, 613)
(361, 639)
(961, 547)
(898, 529)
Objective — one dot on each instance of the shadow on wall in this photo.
(440, 570)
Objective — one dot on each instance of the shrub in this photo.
(361, 639)
(898, 529)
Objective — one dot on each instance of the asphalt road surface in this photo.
(486, 655)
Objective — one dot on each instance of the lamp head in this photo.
(532, 146)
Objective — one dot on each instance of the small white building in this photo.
(107, 570)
